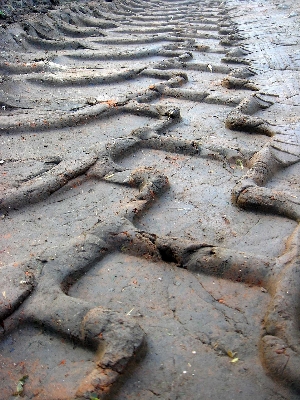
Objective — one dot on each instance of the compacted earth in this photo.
(149, 206)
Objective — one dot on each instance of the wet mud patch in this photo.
(123, 42)
(69, 141)
(71, 95)
(210, 81)
(104, 53)
(281, 114)
(205, 123)
(48, 363)
(69, 61)
(207, 57)
(283, 85)
(201, 80)
(198, 205)
(287, 180)
(212, 43)
(63, 235)
(191, 323)
(14, 173)
(75, 208)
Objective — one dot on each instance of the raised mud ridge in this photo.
(142, 129)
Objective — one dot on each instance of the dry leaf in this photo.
(230, 353)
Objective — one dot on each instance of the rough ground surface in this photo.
(150, 200)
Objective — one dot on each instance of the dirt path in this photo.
(150, 201)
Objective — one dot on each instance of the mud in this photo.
(149, 200)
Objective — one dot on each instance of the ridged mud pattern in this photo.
(131, 133)
(271, 184)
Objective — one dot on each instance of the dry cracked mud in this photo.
(150, 200)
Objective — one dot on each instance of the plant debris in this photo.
(20, 386)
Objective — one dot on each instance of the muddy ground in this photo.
(150, 200)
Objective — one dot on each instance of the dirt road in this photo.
(150, 200)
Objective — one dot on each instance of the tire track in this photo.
(68, 58)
